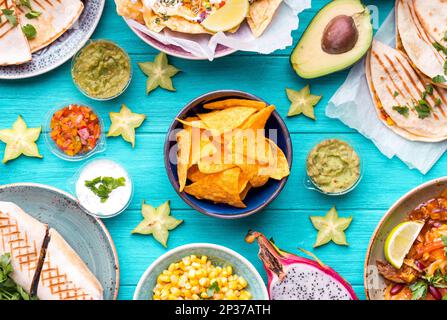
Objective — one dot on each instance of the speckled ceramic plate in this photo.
(63, 48)
(218, 255)
(374, 283)
(86, 235)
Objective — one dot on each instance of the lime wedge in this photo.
(400, 240)
(228, 17)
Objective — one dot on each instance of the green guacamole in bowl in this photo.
(101, 70)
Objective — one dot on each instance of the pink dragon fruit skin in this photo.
(294, 277)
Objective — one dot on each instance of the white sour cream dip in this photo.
(118, 199)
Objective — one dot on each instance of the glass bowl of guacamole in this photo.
(333, 167)
(101, 70)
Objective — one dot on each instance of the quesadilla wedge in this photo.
(23, 237)
(417, 42)
(64, 275)
(56, 17)
(261, 14)
(14, 47)
(432, 15)
(404, 102)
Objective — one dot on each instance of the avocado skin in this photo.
(313, 24)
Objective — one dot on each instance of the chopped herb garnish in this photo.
(439, 79)
(25, 3)
(438, 102)
(423, 109)
(33, 14)
(29, 31)
(402, 110)
(429, 89)
(419, 290)
(212, 289)
(438, 280)
(395, 94)
(10, 16)
(103, 186)
(440, 47)
(445, 36)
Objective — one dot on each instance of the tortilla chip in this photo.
(259, 119)
(278, 167)
(195, 175)
(227, 119)
(261, 14)
(221, 187)
(183, 156)
(259, 181)
(244, 193)
(208, 165)
(230, 103)
(130, 9)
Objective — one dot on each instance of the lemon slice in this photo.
(400, 240)
(228, 17)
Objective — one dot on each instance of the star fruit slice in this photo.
(20, 140)
(331, 228)
(228, 17)
(159, 73)
(157, 221)
(124, 124)
(302, 102)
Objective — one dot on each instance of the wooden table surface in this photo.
(286, 219)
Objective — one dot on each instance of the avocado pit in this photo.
(340, 36)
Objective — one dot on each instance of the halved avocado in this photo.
(337, 37)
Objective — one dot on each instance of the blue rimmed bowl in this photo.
(258, 198)
(218, 255)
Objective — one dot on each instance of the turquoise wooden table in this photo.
(286, 219)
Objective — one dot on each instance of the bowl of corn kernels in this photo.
(201, 271)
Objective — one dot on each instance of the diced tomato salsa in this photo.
(75, 129)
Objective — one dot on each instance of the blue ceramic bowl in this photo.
(218, 255)
(257, 198)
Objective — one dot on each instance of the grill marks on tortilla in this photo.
(5, 22)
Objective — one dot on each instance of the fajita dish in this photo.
(33, 25)
(43, 263)
(200, 16)
(416, 249)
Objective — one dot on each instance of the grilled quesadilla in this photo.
(23, 238)
(426, 54)
(55, 17)
(14, 48)
(432, 15)
(404, 102)
(64, 275)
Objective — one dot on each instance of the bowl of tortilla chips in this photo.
(228, 154)
(190, 21)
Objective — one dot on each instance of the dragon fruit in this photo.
(291, 277)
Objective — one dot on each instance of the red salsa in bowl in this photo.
(76, 131)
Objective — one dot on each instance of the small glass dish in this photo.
(83, 91)
(311, 185)
(100, 145)
(119, 199)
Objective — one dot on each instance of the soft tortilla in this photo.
(57, 17)
(261, 14)
(389, 71)
(64, 275)
(23, 237)
(417, 43)
(432, 15)
(14, 47)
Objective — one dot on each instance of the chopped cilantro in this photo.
(402, 110)
(419, 290)
(439, 79)
(29, 31)
(423, 109)
(33, 14)
(103, 186)
(10, 16)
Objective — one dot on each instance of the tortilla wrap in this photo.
(432, 15)
(14, 47)
(22, 237)
(393, 82)
(64, 275)
(417, 44)
(57, 16)
(261, 14)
